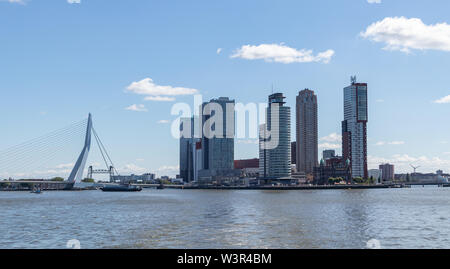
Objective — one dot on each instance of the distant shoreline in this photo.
(324, 187)
(315, 187)
(279, 188)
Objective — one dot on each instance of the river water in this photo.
(397, 218)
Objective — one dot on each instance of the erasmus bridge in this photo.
(40, 151)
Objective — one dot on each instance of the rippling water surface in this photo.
(398, 218)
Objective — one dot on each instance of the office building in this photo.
(275, 149)
(294, 152)
(307, 131)
(263, 152)
(188, 152)
(354, 128)
(217, 142)
(218, 139)
(328, 154)
(387, 172)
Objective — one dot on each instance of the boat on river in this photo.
(121, 188)
(36, 191)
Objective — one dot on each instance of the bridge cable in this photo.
(25, 154)
(43, 148)
(43, 159)
(106, 152)
(101, 151)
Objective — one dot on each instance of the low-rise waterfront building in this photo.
(376, 174)
(426, 178)
(323, 173)
(299, 177)
(218, 177)
(249, 168)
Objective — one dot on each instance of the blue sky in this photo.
(60, 60)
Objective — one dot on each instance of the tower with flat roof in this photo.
(354, 128)
(307, 131)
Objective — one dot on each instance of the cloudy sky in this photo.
(129, 62)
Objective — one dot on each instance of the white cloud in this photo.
(133, 169)
(382, 143)
(65, 165)
(374, 1)
(159, 98)
(156, 92)
(443, 100)
(74, 1)
(281, 54)
(380, 101)
(137, 108)
(397, 143)
(403, 34)
(163, 121)
(334, 137)
(219, 50)
(15, 1)
(168, 170)
(329, 146)
(332, 141)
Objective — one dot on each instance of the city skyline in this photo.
(58, 68)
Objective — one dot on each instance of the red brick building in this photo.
(250, 163)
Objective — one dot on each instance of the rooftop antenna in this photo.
(272, 87)
(353, 79)
(415, 168)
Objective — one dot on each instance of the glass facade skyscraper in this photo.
(187, 149)
(218, 146)
(354, 128)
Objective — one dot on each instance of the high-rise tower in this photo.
(354, 128)
(275, 151)
(187, 149)
(307, 133)
(218, 140)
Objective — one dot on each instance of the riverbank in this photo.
(317, 187)
(285, 188)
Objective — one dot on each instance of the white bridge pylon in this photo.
(77, 172)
